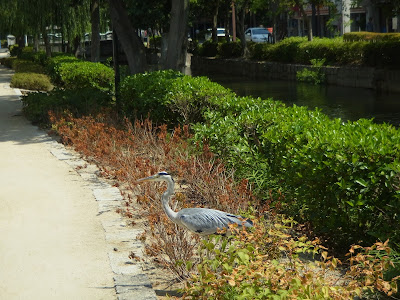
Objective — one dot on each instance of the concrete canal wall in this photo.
(350, 76)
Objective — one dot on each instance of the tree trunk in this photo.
(77, 43)
(305, 19)
(240, 17)
(177, 36)
(95, 19)
(127, 35)
(215, 22)
(46, 42)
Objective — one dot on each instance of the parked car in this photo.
(220, 33)
(258, 35)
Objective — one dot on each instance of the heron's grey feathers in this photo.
(203, 221)
(206, 221)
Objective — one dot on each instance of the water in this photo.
(335, 101)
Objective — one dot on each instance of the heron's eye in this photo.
(163, 173)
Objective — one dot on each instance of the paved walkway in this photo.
(60, 237)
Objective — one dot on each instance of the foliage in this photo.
(343, 178)
(27, 66)
(370, 36)
(314, 74)
(7, 61)
(82, 101)
(29, 54)
(31, 81)
(83, 74)
(54, 63)
(208, 49)
(268, 263)
(168, 96)
(382, 53)
(144, 94)
(230, 50)
(14, 50)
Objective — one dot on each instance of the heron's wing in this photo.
(205, 221)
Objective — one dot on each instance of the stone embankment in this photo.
(384, 80)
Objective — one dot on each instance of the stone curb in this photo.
(130, 281)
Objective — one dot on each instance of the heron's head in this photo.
(161, 176)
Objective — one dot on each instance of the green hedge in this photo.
(69, 72)
(168, 96)
(54, 63)
(83, 101)
(208, 49)
(31, 81)
(83, 74)
(28, 53)
(27, 66)
(7, 61)
(360, 51)
(342, 177)
(370, 36)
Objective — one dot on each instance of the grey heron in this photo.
(202, 221)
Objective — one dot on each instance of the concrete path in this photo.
(59, 231)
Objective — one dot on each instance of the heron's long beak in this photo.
(150, 178)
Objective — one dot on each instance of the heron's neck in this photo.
(165, 200)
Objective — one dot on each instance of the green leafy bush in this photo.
(8, 61)
(83, 74)
(208, 49)
(80, 102)
(268, 263)
(54, 63)
(230, 50)
(344, 178)
(382, 53)
(144, 94)
(370, 36)
(258, 51)
(168, 96)
(14, 50)
(27, 66)
(31, 81)
(314, 74)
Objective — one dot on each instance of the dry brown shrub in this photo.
(142, 149)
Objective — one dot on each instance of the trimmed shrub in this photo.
(208, 49)
(382, 53)
(144, 94)
(230, 50)
(8, 61)
(26, 66)
(31, 81)
(53, 66)
(169, 96)
(370, 36)
(84, 74)
(343, 178)
(79, 102)
(14, 50)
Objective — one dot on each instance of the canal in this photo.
(335, 101)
